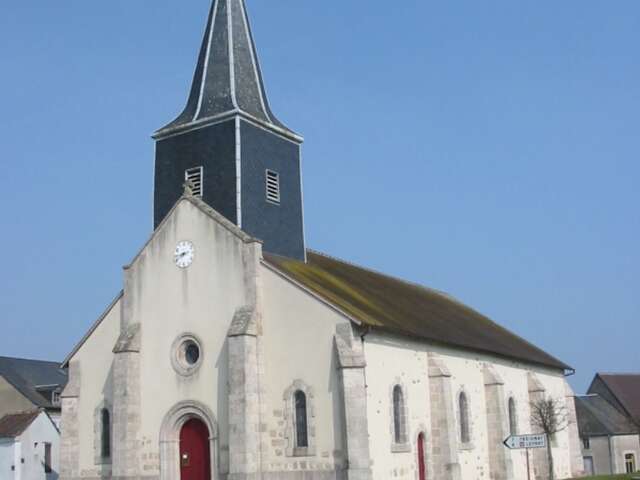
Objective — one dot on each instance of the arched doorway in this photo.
(195, 457)
(422, 468)
(171, 432)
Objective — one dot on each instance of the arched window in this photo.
(105, 433)
(463, 407)
(399, 419)
(302, 437)
(513, 417)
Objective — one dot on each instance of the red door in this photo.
(195, 461)
(422, 471)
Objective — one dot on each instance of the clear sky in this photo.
(488, 149)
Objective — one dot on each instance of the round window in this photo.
(191, 353)
(186, 354)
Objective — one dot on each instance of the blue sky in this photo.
(488, 149)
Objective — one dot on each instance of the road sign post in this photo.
(526, 442)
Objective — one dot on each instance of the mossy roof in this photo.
(387, 303)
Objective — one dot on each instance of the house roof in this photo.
(386, 303)
(14, 424)
(31, 377)
(597, 417)
(626, 388)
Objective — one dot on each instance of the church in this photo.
(234, 352)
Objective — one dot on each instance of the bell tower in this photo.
(239, 158)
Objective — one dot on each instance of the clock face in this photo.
(184, 254)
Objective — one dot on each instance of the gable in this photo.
(29, 376)
(11, 400)
(621, 390)
(388, 304)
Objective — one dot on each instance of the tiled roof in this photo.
(14, 424)
(390, 304)
(597, 417)
(626, 388)
(27, 375)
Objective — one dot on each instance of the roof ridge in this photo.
(618, 374)
(27, 359)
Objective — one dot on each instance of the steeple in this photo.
(227, 80)
(228, 146)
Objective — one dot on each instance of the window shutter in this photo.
(273, 186)
(193, 176)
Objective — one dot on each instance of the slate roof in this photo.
(228, 79)
(393, 305)
(25, 375)
(598, 417)
(14, 424)
(626, 388)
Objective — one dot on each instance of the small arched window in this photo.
(399, 420)
(513, 417)
(463, 407)
(105, 433)
(302, 436)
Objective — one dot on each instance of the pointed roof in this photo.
(228, 79)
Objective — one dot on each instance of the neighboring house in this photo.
(31, 384)
(622, 390)
(234, 352)
(29, 443)
(610, 441)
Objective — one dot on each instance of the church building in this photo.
(233, 352)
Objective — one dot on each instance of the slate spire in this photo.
(227, 80)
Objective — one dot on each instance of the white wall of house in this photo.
(622, 445)
(27, 452)
(7, 458)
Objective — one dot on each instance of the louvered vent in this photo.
(273, 186)
(193, 176)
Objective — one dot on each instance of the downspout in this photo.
(367, 329)
(611, 464)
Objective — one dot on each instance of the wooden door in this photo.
(195, 458)
(422, 470)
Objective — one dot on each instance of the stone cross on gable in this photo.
(188, 188)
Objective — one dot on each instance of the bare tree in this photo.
(550, 416)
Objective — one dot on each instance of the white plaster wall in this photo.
(391, 357)
(298, 343)
(96, 383)
(600, 452)
(168, 301)
(31, 444)
(7, 458)
(621, 445)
